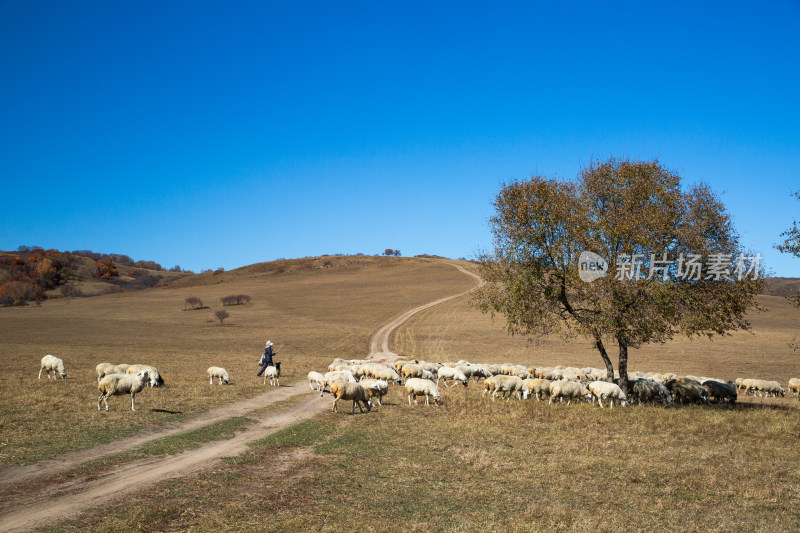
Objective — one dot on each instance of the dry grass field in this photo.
(317, 314)
(471, 464)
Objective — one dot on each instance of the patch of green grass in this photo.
(172, 445)
(303, 433)
(220, 430)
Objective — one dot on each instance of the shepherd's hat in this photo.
(269, 343)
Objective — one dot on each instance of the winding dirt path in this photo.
(379, 347)
(32, 507)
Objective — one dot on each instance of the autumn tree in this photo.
(668, 260)
(105, 269)
(194, 302)
(791, 245)
(221, 315)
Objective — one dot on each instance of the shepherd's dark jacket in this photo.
(266, 360)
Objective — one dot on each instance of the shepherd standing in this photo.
(266, 359)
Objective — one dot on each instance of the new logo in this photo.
(591, 266)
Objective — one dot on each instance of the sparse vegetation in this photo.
(236, 299)
(194, 302)
(791, 245)
(472, 464)
(221, 316)
(70, 290)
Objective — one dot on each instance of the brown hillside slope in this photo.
(316, 314)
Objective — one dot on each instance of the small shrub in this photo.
(220, 270)
(236, 299)
(70, 290)
(194, 302)
(221, 315)
(105, 269)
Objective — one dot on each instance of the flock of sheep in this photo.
(112, 380)
(363, 381)
(115, 380)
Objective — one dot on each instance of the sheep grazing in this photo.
(719, 391)
(454, 374)
(603, 390)
(331, 377)
(764, 387)
(274, 374)
(411, 371)
(433, 368)
(538, 387)
(118, 384)
(427, 374)
(794, 386)
(347, 390)
(316, 381)
(475, 372)
(687, 391)
(571, 390)
(219, 373)
(376, 388)
(423, 387)
(384, 373)
(649, 390)
(103, 369)
(155, 376)
(54, 364)
(507, 386)
(544, 373)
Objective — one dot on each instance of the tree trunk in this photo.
(598, 342)
(623, 366)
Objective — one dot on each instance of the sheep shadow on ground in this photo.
(167, 411)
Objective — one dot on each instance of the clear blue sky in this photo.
(211, 134)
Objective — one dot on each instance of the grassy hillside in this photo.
(471, 464)
(317, 314)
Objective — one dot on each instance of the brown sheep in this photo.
(347, 390)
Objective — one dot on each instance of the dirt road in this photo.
(379, 347)
(39, 506)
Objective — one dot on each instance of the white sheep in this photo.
(764, 387)
(384, 373)
(316, 381)
(422, 387)
(536, 386)
(571, 390)
(117, 384)
(507, 386)
(794, 386)
(274, 374)
(475, 372)
(411, 371)
(347, 390)
(104, 368)
(219, 373)
(427, 374)
(433, 368)
(602, 390)
(455, 374)
(376, 388)
(155, 376)
(54, 364)
(331, 377)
